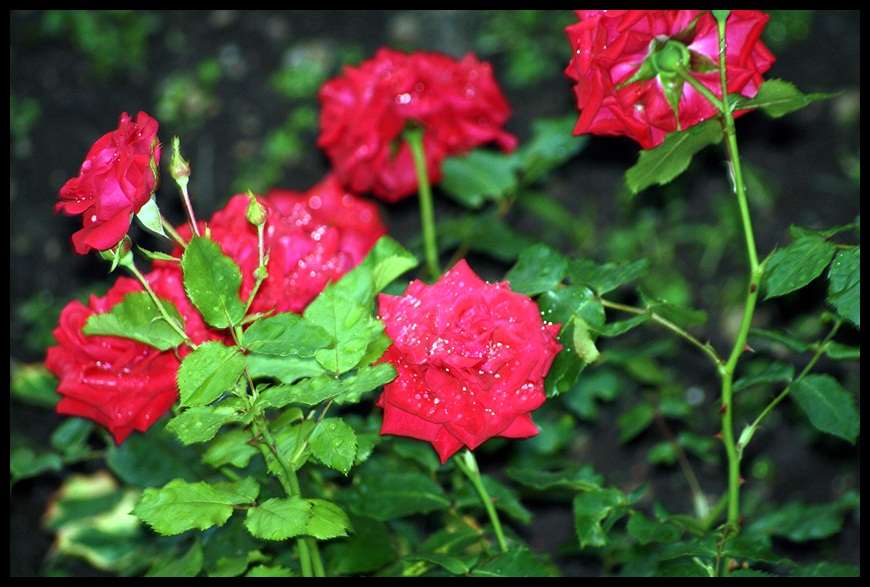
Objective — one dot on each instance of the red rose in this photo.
(117, 382)
(115, 181)
(471, 358)
(364, 112)
(610, 46)
(312, 238)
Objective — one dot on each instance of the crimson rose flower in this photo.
(610, 46)
(116, 180)
(471, 358)
(456, 102)
(120, 383)
(312, 238)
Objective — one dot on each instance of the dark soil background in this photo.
(67, 91)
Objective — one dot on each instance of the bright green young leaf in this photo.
(333, 443)
(179, 506)
(138, 318)
(150, 219)
(844, 284)
(208, 372)
(351, 324)
(794, 266)
(232, 447)
(201, 423)
(212, 281)
(584, 342)
(386, 261)
(828, 405)
(777, 98)
(286, 334)
(672, 157)
(479, 176)
(539, 268)
(283, 518)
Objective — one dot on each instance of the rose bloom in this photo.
(610, 46)
(363, 113)
(120, 383)
(471, 358)
(115, 181)
(312, 238)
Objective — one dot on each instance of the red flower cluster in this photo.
(312, 238)
(363, 113)
(471, 358)
(611, 45)
(117, 178)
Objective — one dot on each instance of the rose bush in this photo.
(116, 180)
(120, 383)
(364, 112)
(312, 238)
(471, 357)
(610, 47)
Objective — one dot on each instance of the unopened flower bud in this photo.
(179, 169)
(257, 214)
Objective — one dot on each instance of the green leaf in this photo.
(539, 268)
(138, 318)
(777, 98)
(479, 176)
(286, 334)
(844, 288)
(776, 372)
(333, 443)
(208, 372)
(801, 522)
(283, 518)
(518, 561)
(187, 565)
(672, 157)
(34, 385)
(552, 143)
(583, 341)
(212, 281)
(201, 423)
(386, 261)
(386, 494)
(590, 511)
(25, 462)
(179, 506)
(605, 277)
(646, 530)
(828, 405)
(635, 420)
(348, 388)
(232, 447)
(796, 265)
(680, 315)
(367, 549)
(150, 219)
(351, 324)
(827, 569)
